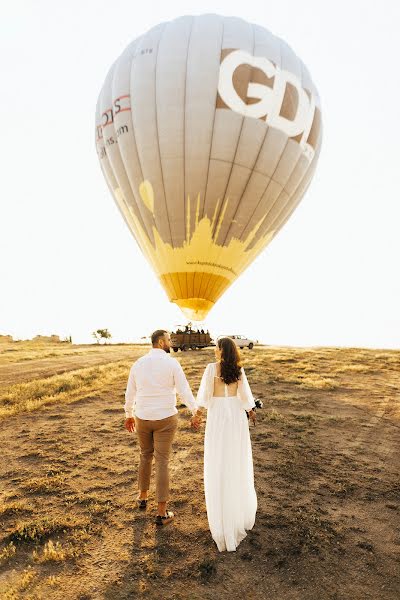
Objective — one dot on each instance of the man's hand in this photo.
(196, 421)
(130, 424)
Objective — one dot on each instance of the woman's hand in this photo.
(252, 416)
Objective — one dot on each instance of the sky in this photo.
(69, 263)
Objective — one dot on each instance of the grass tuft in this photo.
(13, 508)
(7, 552)
(44, 485)
(14, 591)
(53, 552)
(41, 529)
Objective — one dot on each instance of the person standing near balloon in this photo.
(150, 409)
(231, 499)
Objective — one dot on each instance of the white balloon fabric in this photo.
(208, 131)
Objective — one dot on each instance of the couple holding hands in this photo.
(150, 410)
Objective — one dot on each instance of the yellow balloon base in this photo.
(194, 309)
(195, 292)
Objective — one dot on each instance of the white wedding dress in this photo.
(231, 499)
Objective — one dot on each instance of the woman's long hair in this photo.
(229, 361)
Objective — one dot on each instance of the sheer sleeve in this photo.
(206, 387)
(245, 393)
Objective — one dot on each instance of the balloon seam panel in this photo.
(253, 170)
(232, 165)
(236, 149)
(271, 179)
(213, 126)
(310, 168)
(185, 204)
(159, 155)
(211, 143)
(293, 194)
(170, 279)
(138, 204)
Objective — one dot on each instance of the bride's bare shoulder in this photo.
(216, 368)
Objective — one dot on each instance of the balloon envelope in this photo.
(208, 131)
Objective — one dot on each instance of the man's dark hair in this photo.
(156, 335)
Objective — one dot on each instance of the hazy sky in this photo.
(69, 264)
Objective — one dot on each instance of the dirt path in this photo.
(19, 372)
(327, 479)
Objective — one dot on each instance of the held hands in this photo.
(196, 421)
(130, 424)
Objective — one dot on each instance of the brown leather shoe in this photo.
(160, 521)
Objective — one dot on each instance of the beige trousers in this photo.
(155, 439)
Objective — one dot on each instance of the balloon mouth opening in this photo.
(194, 309)
(195, 292)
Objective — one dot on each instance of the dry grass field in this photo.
(326, 455)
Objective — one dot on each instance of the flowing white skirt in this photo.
(231, 499)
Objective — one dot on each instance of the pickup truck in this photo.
(241, 341)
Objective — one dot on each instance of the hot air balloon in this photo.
(208, 131)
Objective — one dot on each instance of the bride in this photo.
(231, 499)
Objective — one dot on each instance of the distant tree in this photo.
(100, 334)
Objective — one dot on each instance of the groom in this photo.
(150, 409)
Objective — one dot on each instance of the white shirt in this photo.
(153, 382)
